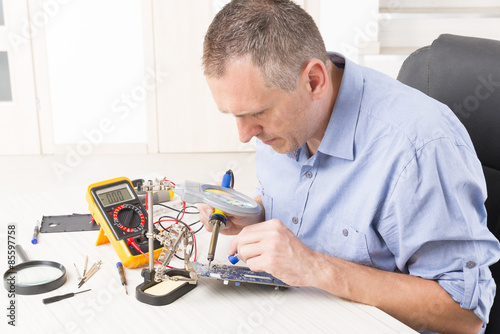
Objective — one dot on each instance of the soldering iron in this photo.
(218, 218)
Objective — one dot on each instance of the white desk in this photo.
(31, 190)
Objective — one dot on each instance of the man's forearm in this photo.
(421, 304)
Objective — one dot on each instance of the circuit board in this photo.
(236, 274)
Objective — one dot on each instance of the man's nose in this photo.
(247, 129)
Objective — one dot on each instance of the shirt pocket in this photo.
(347, 243)
(267, 201)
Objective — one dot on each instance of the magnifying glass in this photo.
(227, 200)
(34, 277)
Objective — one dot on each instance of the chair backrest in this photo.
(464, 73)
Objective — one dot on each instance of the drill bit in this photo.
(95, 267)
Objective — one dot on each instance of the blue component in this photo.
(237, 283)
(34, 239)
(221, 217)
(233, 258)
(118, 264)
(226, 181)
(236, 274)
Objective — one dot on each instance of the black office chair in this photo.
(464, 73)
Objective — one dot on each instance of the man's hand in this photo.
(422, 304)
(271, 247)
(234, 224)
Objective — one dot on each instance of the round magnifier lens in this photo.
(228, 198)
(35, 276)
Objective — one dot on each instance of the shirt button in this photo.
(345, 232)
(309, 174)
(470, 264)
(295, 220)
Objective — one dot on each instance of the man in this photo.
(370, 190)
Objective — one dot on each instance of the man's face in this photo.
(279, 119)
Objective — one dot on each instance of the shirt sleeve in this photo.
(257, 191)
(435, 224)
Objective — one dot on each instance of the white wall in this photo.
(348, 26)
(128, 72)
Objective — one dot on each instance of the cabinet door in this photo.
(18, 108)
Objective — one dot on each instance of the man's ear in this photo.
(315, 76)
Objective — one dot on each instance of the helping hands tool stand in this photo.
(163, 286)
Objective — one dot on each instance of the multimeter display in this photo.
(122, 209)
(113, 196)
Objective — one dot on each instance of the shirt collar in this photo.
(338, 140)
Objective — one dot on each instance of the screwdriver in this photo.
(34, 239)
(61, 297)
(217, 219)
(122, 275)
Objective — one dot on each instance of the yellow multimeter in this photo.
(115, 206)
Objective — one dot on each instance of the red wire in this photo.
(131, 242)
(183, 210)
(165, 179)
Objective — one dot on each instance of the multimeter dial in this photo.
(129, 218)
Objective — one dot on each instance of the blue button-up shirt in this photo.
(395, 185)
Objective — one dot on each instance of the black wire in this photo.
(201, 227)
(192, 232)
(184, 212)
(176, 210)
(187, 226)
(159, 221)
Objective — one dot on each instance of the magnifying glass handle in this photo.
(22, 253)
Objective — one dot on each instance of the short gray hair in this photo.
(279, 36)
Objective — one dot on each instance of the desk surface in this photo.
(31, 190)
